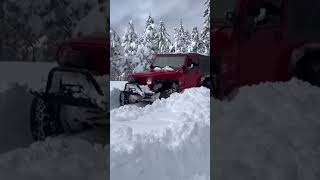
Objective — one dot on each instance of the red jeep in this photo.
(74, 94)
(168, 73)
(254, 41)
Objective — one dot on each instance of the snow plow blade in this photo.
(133, 93)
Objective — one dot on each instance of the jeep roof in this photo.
(95, 40)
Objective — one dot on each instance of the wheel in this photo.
(123, 99)
(44, 119)
(167, 92)
(207, 83)
(308, 69)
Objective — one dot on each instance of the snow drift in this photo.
(16, 79)
(169, 139)
(271, 125)
(58, 158)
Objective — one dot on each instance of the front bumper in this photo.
(134, 93)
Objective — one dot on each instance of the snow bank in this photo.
(16, 79)
(58, 158)
(272, 125)
(115, 88)
(166, 140)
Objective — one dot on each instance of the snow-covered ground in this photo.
(271, 125)
(169, 139)
(16, 79)
(269, 131)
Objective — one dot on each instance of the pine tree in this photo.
(175, 38)
(130, 40)
(180, 40)
(195, 41)
(148, 44)
(164, 40)
(187, 40)
(205, 34)
(116, 56)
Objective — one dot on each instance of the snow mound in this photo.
(56, 158)
(271, 125)
(169, 139)
(115, 88)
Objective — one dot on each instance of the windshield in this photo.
(170, 61)
(220, 8)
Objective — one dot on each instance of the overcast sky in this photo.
(171, 11)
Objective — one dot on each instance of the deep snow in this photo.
(16, 79)
(269, 131)
(168, 139)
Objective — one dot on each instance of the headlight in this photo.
(149, 81)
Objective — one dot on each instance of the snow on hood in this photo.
(166, 68)
(271, 125)
(172, 133)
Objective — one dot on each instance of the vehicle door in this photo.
(192, 74)
(260, 43)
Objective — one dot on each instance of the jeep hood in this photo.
(156, 75)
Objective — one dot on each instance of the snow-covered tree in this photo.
(116, 56)
(38, 27)
(195, 41)
(187, 39)
(130, 40)
(164, 42)
(180, 39)
(205, 34)
(148, 44)
(175, 40)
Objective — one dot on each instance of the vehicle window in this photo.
(171, 61)
(270, 9)
(221, 7)
(71, 57)
(204, 64)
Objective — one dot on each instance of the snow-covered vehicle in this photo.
(75, 94)
(169, 73)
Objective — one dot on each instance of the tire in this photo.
(308, 69)
(167, 92)
(44, 120)
(123, 99)
(207, 83)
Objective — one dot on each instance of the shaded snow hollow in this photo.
(168, 139)
(269, 131)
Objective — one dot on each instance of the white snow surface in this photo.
(166, 68)
(169, 139)
(268, 131)
(57, 158)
